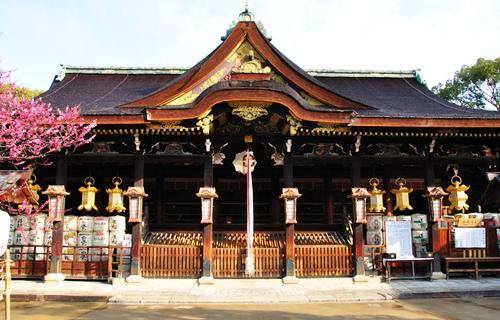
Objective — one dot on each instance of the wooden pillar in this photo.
(329, 207)
(276, 202)
(159, 197)
(388, 200)
(358, 227)
(208, 181)
(290, 228)
(58, 227)
(434, 236)
(135, 268)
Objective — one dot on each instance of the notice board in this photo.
(398, 238)
(470, 238)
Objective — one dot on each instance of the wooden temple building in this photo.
(173, 131)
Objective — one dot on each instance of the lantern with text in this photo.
(457, 196)
(290, 196)
(88, 195)
(402, 195)
(207, 195)
(115, 197)
(435, 199)
(57, 201)
(376, 197)
(135, 195)
(359, 196)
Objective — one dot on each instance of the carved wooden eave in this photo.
(180, 101)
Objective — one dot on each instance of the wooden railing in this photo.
(160, 261)
(230, 263)
(323, 261)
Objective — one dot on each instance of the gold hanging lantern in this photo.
(457, 196)
(402, 195)
(135, 195)
(376, 197)
(359, 196)
(88, 195)
(115, 201)
(34, 191)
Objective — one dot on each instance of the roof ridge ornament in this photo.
(246, 16)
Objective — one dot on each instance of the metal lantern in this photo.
(435, 199)
(88, 195)
(207, 195)
(115, 197)
(376, 197)
(57, 201)
(290, 196)
(359, 196)
(457, 196)
(402, 198)
(135, 195)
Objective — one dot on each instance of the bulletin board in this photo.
(470, 238)
(398, 238)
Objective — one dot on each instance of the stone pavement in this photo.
(184, 291)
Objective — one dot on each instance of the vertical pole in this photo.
(358, 227)
(7, 284)
(290, 228)
(135, 267)
(434, 241)
(329, 207)
(58, 227)
(159, 197)
(388, 201)
(208, 181)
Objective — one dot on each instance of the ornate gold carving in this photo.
(249, 110)
(294, 123)
(276, 77)
(205, 123)
(329, 127)
(244, 50)
(213, 79)
(251, 66)
(167, 125)
(310, 99)
(186, 98)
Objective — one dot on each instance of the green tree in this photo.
(476, 86)
(21, 92)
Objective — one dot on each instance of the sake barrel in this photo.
(116, 238)
(70, 223)
(22, 222)
(21, 237)
(15, 253)
(98, 254)
(387, 218)
(11, 238)
(117, 223)
(374, 222)
(418, 221)
(374, 237)
(37, 253)
(85, 239)
(49, 224)
(69, 238)
(101, 224)
(403, 218)
(36, 237)
(420, 237)
(494, 216)
(100, 238)
(85, 223)
(476, 215)
(47, 238)
(127, 240)
(37, 221)
(68, 254)
(461, 216)
(12, 223)
(81, 254)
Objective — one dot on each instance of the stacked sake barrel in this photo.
(32, 235)
(374, 234)
(420, 235)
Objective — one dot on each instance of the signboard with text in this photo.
(398, 238)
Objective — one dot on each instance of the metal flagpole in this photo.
(249, 258)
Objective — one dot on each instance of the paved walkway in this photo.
(251, 291)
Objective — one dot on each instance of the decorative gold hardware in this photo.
(329, 127)
(186, 98)
(115, 197)
(376, 197)
(249, 110)
(205, 123)
(88, 195)
(294, 123)
(311, 100)
(457, 196)
(402, 195)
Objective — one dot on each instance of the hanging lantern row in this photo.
(115, 201)
(88, 195)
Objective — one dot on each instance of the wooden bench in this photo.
(474, 264)
(388, 268)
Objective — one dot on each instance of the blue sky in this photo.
(438, 36)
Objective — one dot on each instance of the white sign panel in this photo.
(470, 238)
(398, 238)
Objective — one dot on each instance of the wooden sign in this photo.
(398, 238)
(469, 222)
